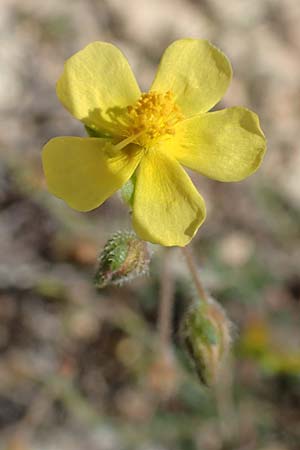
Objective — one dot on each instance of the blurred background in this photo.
(79, 368)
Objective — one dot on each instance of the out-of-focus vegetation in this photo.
(81, 368)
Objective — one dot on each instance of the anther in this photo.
(154, 114)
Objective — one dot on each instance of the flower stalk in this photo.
(191, 264)
(166, 301)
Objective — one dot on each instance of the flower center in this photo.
(152, 116)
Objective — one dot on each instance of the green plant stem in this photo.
(222, 391)
(192, 266)
(225, 405)
(166, 299)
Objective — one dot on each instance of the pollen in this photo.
(154, 115)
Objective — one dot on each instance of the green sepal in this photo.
(95, 133)
(127, 191)
(205, 330)
(202, 327)
(123, 258)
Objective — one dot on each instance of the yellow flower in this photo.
(151, 134)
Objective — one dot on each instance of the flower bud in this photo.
(123, 258)
(206, 335)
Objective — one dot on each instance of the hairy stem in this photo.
(226, 409)
(166, 299)
(223, 394)
(191, 263)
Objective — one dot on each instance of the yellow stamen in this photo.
(154, 115)
(126, 141)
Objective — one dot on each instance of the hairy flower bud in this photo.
(206, 335)
(123, 258)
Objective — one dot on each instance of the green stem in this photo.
(166, 299)
(226, 408)
(191, 263)
(223, 390)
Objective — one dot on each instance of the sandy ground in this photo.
(64, 380)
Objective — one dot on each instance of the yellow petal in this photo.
(96, 85)
(226, 145)
(167, 208)
(196, 72)
(84, 171)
